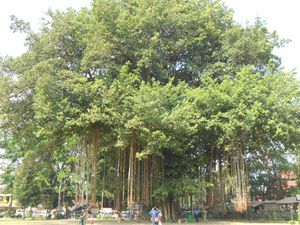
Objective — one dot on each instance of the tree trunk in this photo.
(124, 159)
(170, 209)
(146, 187)
(131, 193)
(81, 169)
(118, 194)
(94, 167)
(59, 195)
(211, 191)
(221, 190)
(138, 185)
(240, 189)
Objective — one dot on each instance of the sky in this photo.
(30, 11)
(280, 15)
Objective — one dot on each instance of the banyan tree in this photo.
(161, 103)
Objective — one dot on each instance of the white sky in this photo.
(281, 15)
(30, 11)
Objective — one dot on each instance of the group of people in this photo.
(156, 216)
(83, 217)
(155, 213)
(200, 214)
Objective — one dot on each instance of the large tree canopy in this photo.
(147, 102)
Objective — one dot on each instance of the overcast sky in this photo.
(281, 15)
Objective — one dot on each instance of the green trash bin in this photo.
(190, 218)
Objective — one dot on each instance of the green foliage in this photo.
(176, 188)
(292, 221)
(31, 180)
(180, 78)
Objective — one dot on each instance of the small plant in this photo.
(292, 222)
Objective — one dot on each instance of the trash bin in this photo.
(190, 218)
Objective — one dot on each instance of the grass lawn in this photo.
(76, 222)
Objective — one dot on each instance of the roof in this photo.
(258, 203)
(255, 204)
(78, 207)
(269, 201)
(288, 200)
(5, 195)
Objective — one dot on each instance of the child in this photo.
(92, 220)
(159, 218)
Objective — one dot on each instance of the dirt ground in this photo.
(76, 222)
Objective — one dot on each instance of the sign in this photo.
(107, 210)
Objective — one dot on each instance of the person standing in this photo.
(159, 218)
(92, 220)
(197, 214)
(82, 217)
(203, 213)
(154, 215)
